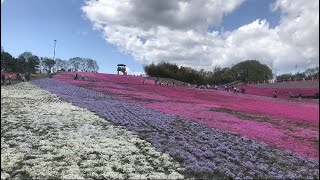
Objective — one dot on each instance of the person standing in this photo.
(9, 79)
(28, 76)
(275, 94)
(291, 95)
(23, 78)
(18, 76)
(3, 79)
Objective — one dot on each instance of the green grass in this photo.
(38, 76)
(32, 77)
(176, 82)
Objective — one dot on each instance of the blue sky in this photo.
(33, 26)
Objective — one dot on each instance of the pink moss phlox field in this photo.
(276, 135)
(287, 125)
(281, 92)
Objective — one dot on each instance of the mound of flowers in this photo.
(43, 137)
(202, 152)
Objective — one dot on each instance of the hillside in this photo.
(307, 89)
(238, 113)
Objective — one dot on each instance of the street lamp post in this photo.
(295, 76)
(275, 74)
(54, 51)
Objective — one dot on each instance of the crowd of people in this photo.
(291, 96)
(234, 89)
(78, 77)
(26, 77)
(20, 77)
(164, 83)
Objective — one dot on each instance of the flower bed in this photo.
(281, 92)
(273, 121)
(43, 137)
(203, 152)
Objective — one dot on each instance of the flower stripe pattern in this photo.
(43, 137)
(203, 152)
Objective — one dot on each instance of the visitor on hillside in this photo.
(82, 77)
(76, 76)
(3, 79)
(173, 84)
(23, 78)
(243, 90)
(9, 78)
(275, 94)
(290, 95)
(28, 76)
(300, 96)
(18, 77)
(143, 81)
(237, 90)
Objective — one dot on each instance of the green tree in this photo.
(48, 64)
(285, 77)
(8, 62)
(91, 65)
(251, 70)
(75, 62)
(312, 72)
(27, 62)
(60, 64)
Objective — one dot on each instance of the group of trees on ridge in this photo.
(28, 62)
(245, 71)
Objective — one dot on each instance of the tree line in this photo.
(250, 70)
(28, 62)
(310, 73)
(245, 71)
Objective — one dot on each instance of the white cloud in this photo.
(2, 1)
(132, 72)
(176, 31)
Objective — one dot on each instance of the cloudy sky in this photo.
(197, 33)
